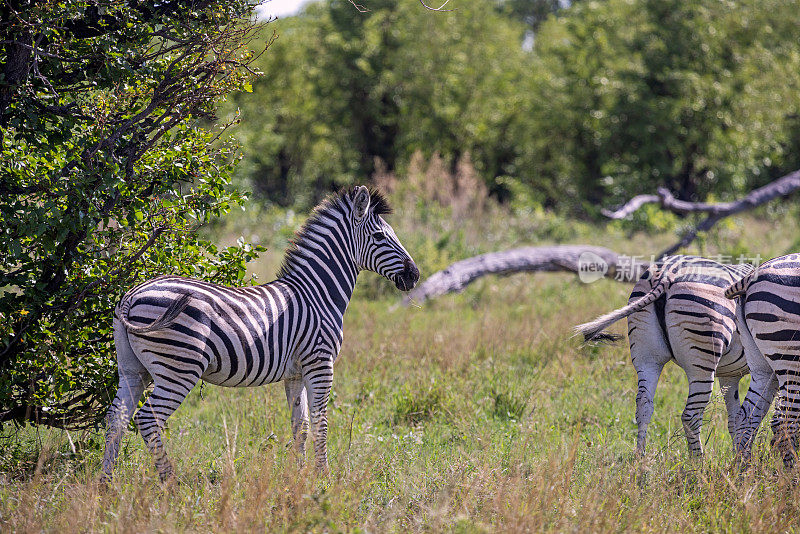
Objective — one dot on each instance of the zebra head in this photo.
(376, 246)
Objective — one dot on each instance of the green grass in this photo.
(476, 412)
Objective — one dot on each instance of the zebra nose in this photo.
(410, 271)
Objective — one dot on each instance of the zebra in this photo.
(677, 311)
(175, 331)
(768, 315)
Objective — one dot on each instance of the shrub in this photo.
(412, 407)
(507, 406)
(105, 176)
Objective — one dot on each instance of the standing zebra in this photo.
(678, 311)
(177, 330)
(768, 315)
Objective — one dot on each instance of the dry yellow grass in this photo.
(475, 413)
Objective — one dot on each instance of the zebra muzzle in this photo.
(408, 277)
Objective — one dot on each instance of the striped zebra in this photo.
(769, 321)
(176, 331)
(678, 311)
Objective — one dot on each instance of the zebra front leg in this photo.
(648, 380)
(318, 379)
(730, 392)
(298, 403)
(692, 416)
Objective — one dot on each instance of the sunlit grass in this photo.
(475, 412)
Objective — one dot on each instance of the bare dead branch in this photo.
(566, 258)
(359, 7)
(716, 211)
(780, 187)
(440, 8)
(631, 206)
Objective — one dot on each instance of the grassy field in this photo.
(476, 412)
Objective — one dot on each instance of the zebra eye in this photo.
(379, 236)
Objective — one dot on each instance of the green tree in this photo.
(105, 175)
(343, 89)
(533, 12)
(697, 95)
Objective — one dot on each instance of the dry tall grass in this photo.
(475, 413)
(456, 185)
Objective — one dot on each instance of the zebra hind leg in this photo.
(754, 407)
(763, 386)
(784, 429)
(647, 381)
(692, 416)
(131, 387)
(133, 378)
(151, 418)
(730, 392)
(298, 403)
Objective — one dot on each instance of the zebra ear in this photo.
(361, 202)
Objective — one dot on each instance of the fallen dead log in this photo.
(569, 257)
(589, 262)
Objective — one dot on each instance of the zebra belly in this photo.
(262, 359)
(263, 356)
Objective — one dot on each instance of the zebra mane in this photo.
(334, 203)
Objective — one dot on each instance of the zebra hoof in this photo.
(104, 481)
(167, 476)
(323, 469)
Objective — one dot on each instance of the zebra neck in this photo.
(327, 276)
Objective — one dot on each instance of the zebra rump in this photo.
(594, 331)
(677, 312)
(166, 319)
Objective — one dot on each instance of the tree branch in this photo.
(631, 206)
(124, 269)
(780, 187)
(440, 8)
(717, 211)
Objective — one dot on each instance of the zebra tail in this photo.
(167, 318)
(593, 331)
(740, 287)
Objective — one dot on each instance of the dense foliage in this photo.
(344, 89)
(105, 174)
(605, 100)
(699, 96)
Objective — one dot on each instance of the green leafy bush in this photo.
(507, 406)
(417, 405)
(105, 175)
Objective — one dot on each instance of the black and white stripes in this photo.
(175, 331)
(769, 319)
(678, 311)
